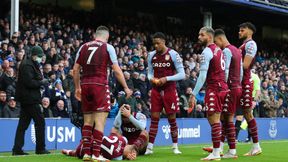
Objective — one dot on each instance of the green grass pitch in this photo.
(273, 151)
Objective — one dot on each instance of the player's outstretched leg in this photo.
(68, 152)
(208, 149)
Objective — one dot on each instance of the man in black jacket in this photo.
(28, 87)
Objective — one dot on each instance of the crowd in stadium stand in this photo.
(277, 2)
(61, 40)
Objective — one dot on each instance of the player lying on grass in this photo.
(114, 147)
(132, 126)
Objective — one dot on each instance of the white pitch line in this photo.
(160, 148)
(10, 156)
(201, 145)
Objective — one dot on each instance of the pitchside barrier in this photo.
(60, 133)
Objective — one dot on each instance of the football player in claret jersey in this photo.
(249, 50)
(255, 95)
(132, 126)
(212, 70)
(113, 147)
(127, 125)
(94, 58)
(233, 76)
(164, 69)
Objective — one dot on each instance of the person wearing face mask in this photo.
(30, 80)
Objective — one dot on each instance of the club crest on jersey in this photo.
(167, 57)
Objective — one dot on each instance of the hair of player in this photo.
(102, 30)
(248, 25)
(159, 35)
(219, 32)
(208, 30)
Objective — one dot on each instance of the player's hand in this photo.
(126, 110)
(155, 82)
(78, 94)
(163, 80)
(131, 156)
(128, 92)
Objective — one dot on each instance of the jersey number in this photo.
(173, 106)
(93, 49)
(111, 149)
(222, 62)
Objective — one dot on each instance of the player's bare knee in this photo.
(248, 115)
(230, 118)
(171, 116)
(211, 120)
(155, 116)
